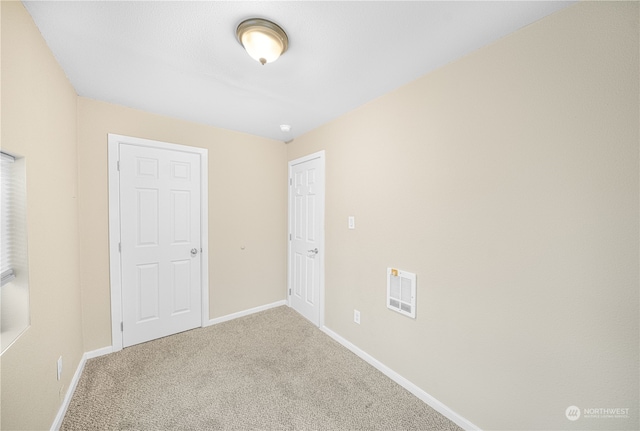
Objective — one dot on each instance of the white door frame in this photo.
(321, 254)
(115, 270)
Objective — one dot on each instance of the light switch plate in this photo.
(352, 222)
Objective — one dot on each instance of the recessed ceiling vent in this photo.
(401, 292)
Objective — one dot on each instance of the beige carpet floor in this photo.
(271, 371)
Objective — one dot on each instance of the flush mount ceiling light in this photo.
(264, 40)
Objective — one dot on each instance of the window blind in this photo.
(7, 214)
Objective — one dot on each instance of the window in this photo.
(14, 301)
(7, 180)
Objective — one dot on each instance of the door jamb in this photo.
(115, 269)
(317, 155)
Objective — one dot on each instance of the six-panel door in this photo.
(307, 200)
(160, 240)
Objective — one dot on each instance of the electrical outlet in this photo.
(59, 367)
(352, 222)
(356, 316)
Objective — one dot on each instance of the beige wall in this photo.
(247, 208)
(39, 123)
(508, 181)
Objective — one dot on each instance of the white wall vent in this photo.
(401, 292)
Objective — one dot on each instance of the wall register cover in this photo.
(401, 292)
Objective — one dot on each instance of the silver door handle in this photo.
(194, 251)
(314, 251)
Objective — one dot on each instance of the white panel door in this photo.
(160, 239)
(306, 221)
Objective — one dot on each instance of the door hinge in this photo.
(118, 165)
(289, 237)
(290, 181)
(120, 247)
(289, 291)
(121, 326)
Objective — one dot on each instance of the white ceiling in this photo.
(182, 59)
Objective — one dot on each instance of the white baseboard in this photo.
(57, 422)
(245, 312)
(415, 390)
(98, 352)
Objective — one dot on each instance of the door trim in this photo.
(115, 270)
(321, 255)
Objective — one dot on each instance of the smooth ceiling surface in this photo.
(182, 59)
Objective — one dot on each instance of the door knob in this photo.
(194, 251)
(314, 251)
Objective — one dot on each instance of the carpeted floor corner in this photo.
(270, 371)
